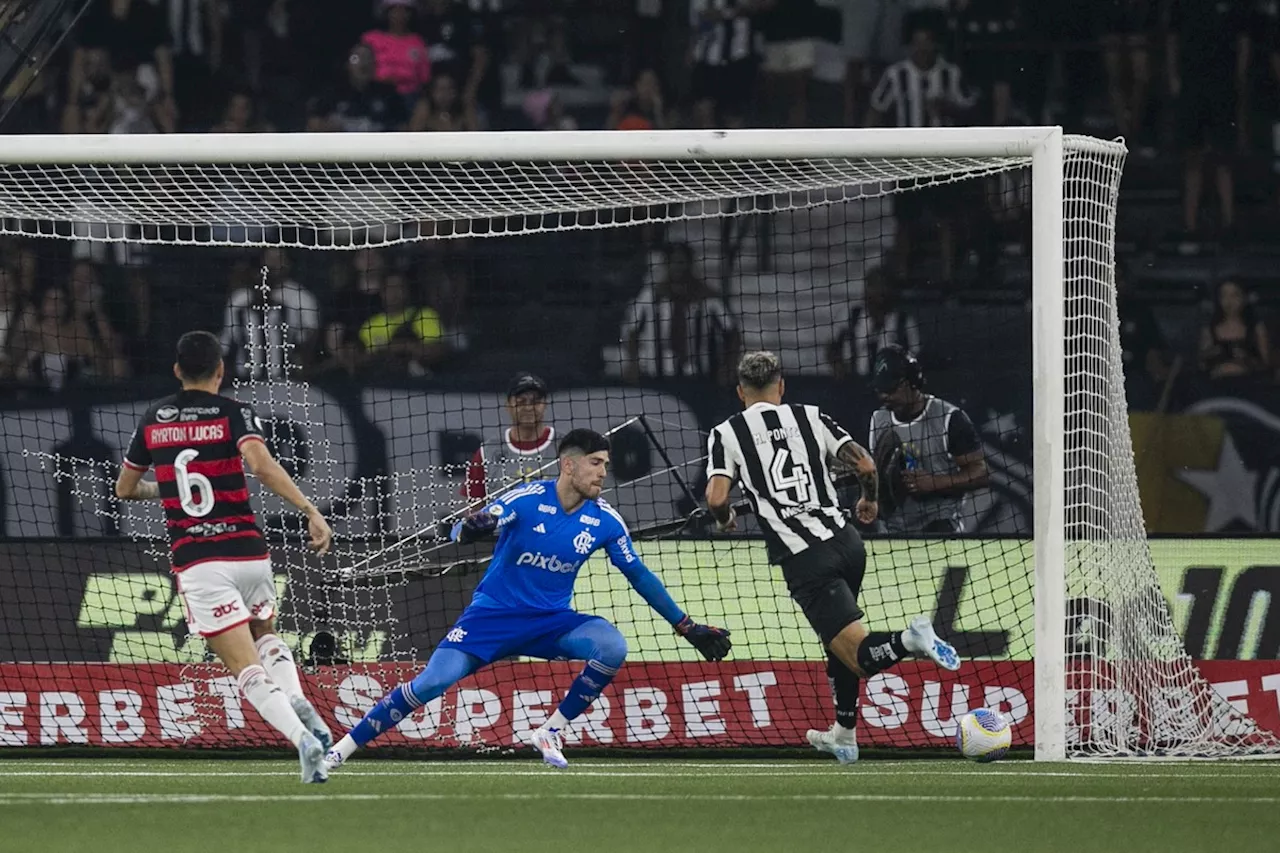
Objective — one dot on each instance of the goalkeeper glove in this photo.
(474, 527)
(713, 643)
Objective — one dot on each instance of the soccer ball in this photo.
(983, 735)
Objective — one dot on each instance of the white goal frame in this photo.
(1042, 146)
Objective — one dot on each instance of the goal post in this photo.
(1089, 562)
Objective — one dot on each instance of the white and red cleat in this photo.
(549, 743)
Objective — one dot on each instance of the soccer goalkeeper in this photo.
(546, 531)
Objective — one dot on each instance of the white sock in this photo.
(557, 722)
(271, 702)
(345, 747)
(277, 660)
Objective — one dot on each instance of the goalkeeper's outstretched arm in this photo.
(711, 642)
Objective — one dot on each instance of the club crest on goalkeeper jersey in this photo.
(193, 439)
(541, 548)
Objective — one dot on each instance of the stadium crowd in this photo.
(1190, 84)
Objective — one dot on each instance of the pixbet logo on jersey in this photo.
(551, 564)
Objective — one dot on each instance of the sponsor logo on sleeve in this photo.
(165, 414)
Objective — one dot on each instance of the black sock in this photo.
(844, 689)
(880, 650)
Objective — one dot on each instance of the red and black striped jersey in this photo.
(193, 439)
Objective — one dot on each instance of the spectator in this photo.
(545, 56)
(402, 334)
(725, 54)
(360, 104)
(1234, 343)
(679, 327)
(466, 45)
(1143, 350)
(1208, 61)
(105, 346)
(127, 110)
(442, 109)
(400, 55)
(133, 312)
(15, 295)
(54, 347)
(355, 291)
(1126, 55)
(240, 115)
(446, 292)
(129, 36)
(640, 107)
(195, 30)
(863, 36)
(989, 29)
(790, 56)
(923, 90)
(268, 330)
(871, 326)
(545, 111)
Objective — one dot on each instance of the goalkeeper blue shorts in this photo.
(493, 633)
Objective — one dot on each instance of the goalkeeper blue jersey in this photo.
(541, 548)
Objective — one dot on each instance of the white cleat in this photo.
(311, 757)
(313, 721)
(921, 640)
(548, 742)
(844, 748)
(332, 761)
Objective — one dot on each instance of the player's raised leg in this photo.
(277, 660)
(446, 667)
(604, 649)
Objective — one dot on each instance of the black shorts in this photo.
(825, 580)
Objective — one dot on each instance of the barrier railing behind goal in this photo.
(774, 239)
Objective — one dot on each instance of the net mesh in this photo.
(801, 257)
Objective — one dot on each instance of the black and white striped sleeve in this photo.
(833, 435)
(722, 453)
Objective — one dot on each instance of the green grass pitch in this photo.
(191, 805)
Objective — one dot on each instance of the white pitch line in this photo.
(529, 769)
(59, 799)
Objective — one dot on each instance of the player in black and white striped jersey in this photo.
(782, 456)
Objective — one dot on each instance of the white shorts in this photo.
(219, 595)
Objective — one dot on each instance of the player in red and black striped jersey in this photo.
(199, 442)
(193, 440)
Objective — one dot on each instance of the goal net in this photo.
(378, 296)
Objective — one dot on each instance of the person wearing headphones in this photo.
(926, 449)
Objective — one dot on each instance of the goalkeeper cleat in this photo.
(834, 740)
(313, 721)
(548, 742)
(921, 640)
(311, 757)
(332, 760)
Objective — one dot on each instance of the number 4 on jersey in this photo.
(790, 478)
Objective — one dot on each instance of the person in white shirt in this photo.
(268, 329)
(677, 326)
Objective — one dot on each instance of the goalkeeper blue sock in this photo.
(386, 715)
(586, 688)
(446, 668)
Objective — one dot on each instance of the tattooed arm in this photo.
(856, 457)
(849, 455)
